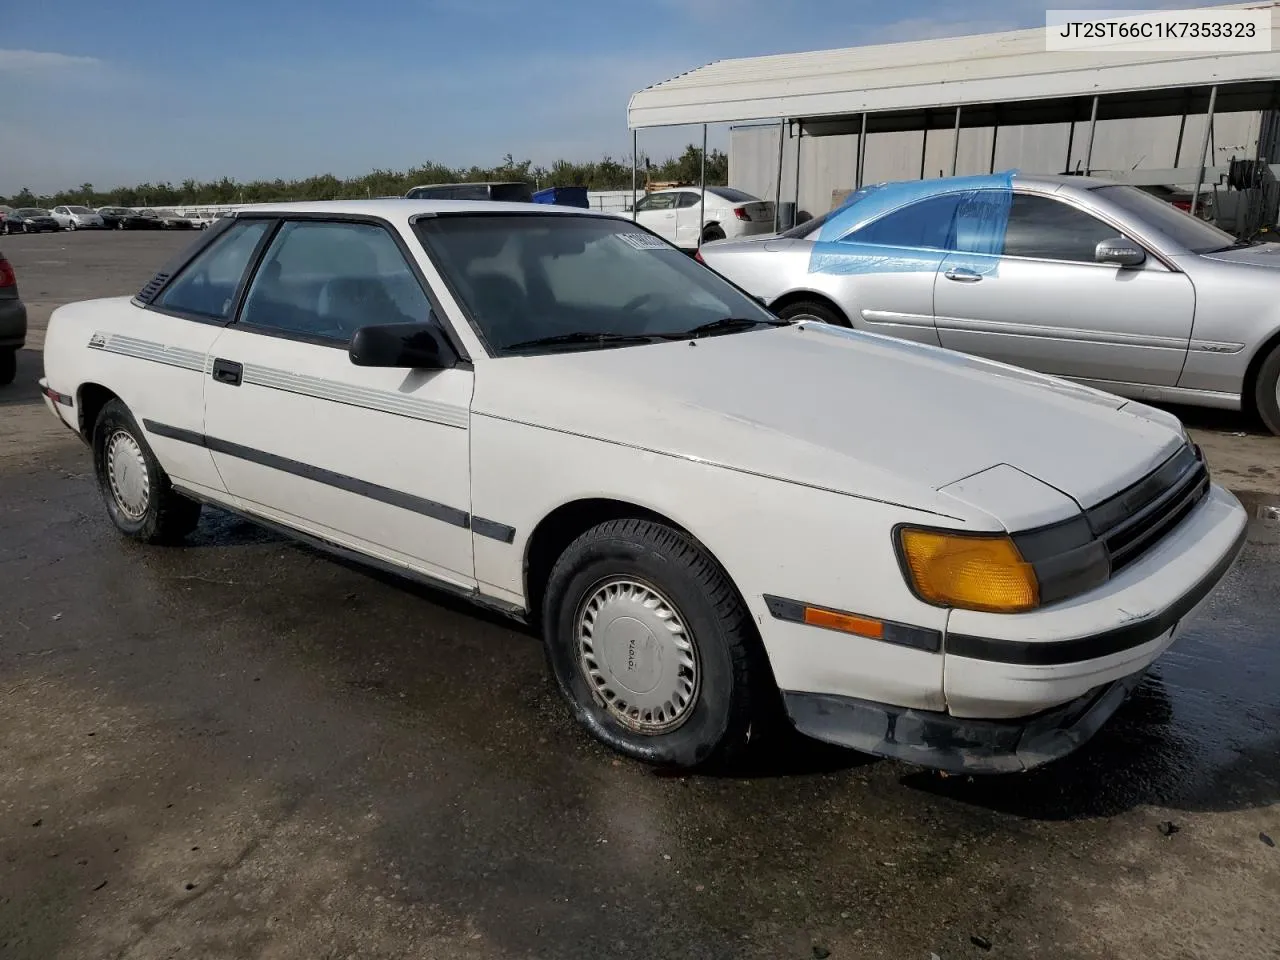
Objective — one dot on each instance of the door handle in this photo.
(228, 371)
(963, 275)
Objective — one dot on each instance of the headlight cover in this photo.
(983, 572)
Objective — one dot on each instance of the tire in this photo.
(26, 228)
(157, 514)
(716, 680)
(8, 366)
(812, 310)
(72, 226)
(1266, 391)
(712, 233)
(120, 225)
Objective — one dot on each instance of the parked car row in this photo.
(74, 217)
(715, 515)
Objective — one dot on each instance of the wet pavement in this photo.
(242, 748)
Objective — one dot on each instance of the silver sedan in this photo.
(1081, 278)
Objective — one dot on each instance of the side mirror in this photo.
(419, 346)
(1118, 250)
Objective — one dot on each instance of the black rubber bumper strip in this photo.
(955, 744)
(361, 488)
(901, 634)
(1126, 637)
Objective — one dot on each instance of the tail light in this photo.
(698, 256)
(1183, 205)
(7, 279)
(741, 213)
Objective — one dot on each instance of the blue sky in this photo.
(133, 90)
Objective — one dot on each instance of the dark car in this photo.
(31, 220)
(508, 192)
(13, 323)
(122, 218)
(149, 219)
(172, 220)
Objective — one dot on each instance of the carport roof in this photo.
(911, 77)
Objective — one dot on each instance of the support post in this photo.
(955, 147)
(1204, 148)
(702, 189)
(1093, 126)
(924, 144)
(862, 154)
(635, 162)
(795, 214)
(1182, 129)
(777, 190)
(995, 133)
(1071, 141)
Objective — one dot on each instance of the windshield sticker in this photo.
(913, 226)
(641, 241)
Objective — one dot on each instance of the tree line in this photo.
(604, 174)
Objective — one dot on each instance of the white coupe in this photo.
(711, 513)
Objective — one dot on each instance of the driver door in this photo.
(657, 212)
(369, 458)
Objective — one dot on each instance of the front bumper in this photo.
(1020, 690)
(13, 323)
(952, 744)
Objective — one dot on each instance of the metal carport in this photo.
(954, 83)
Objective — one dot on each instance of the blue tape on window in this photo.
(914, 226)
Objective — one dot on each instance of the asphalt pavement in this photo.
(242, 748)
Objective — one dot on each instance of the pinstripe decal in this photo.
(148, 350)
(384, 401)
(394, 403)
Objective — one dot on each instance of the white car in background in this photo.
(707, 510)
(676, 215)
(200, 219)
(77, 218)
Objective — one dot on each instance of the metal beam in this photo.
(862, 154)
(635, 162)
(995, 134)
(955, 147)
(702, 189)
(777, 193)
(924, 143)
(1204, 148)
(1071, 142)
(795, 214)
(1093, 126)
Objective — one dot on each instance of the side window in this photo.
(208, 284)
(644, 203)
(328, 280)
(926, 224)
(688, 200)
(1048, 229)
(662, 201)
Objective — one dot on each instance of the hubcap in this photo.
(637, 655)
(127, 474)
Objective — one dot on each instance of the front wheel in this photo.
(1266, 391)
(72, 226)
(8, 366)
(812, 310)
(652, 647)
(139, 497)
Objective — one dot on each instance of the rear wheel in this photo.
(139, 497)
(652, 647)
(812, 310)
(1266, 391)
(713, 232)
(8, 366)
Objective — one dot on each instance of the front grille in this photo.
(1134, 520)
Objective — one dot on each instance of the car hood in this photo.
(1262, 255)
(855, 413)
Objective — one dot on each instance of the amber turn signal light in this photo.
(969, 572)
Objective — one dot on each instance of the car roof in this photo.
(402, 209)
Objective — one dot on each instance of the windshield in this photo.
(529, 277)
(1183, 229)
(733, 196)
(33, 212)
(79, 209)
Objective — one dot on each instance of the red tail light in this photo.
(741, 213)
(1184, 205)
(698, 256)
(7, 279)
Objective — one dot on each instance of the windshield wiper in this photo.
(1238, 245)
(725, 324)
(582, 336)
